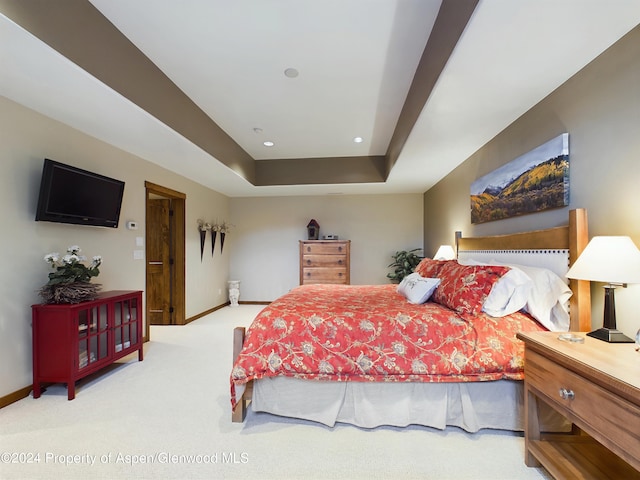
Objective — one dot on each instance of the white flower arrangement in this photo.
(70, 267)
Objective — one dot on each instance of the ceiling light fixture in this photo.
(268, 143)
(358, 140)
(291, 73)
(257, 130)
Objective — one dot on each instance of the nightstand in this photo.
(596, 386)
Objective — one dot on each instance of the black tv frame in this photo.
(79, 193)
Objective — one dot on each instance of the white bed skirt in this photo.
(470, 406)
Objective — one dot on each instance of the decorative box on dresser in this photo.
(71, 341)
(325, 261)
(596, 386)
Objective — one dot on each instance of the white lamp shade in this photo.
(608, 260)
(445, 252)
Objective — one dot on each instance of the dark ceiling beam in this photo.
(453, 17)
(77, 30)
(317, 171)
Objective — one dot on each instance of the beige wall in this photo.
(264, 255)
(26, 138)
(600, 109)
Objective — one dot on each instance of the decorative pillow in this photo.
(417, 289)
(509, 294)
(464, 288)
(429, 268)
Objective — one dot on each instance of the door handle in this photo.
(155, 263)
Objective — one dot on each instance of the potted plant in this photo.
(404, 262)
(70, 280)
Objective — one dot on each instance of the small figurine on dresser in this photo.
(313, 230)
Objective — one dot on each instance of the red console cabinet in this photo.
(71, 341)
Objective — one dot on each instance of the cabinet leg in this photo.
(71, 390)
(37, 391)
(140, 355)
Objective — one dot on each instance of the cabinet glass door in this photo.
(93, 335)
(126, 324)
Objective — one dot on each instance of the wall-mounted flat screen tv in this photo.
(72, 195)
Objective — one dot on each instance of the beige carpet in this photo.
(168, 417)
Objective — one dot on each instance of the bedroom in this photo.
(598, 107)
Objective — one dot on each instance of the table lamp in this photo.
(615, 261)
(445, 252)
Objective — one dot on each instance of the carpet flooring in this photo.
(168, 417)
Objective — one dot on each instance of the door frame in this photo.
(178, 203)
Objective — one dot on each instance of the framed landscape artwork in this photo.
(535, 181)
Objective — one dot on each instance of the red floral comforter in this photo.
(371, 333)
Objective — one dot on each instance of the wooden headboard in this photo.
(572, 237)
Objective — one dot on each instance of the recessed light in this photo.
(268, 144)
(291, 73)
(257, 130)
(358, 139)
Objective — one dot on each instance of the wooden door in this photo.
(159, 262)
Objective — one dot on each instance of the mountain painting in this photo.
(535, 181)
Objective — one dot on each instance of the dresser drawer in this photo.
(324, 248)
(598, 411)
(324, 275)
(324, 261)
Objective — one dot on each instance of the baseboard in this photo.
(15, 396)
(205, 313)
(241, 302)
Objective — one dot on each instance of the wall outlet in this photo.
(219, 291)
(138, 254)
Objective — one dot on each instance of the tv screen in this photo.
(72, 195)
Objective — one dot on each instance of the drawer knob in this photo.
(308, 262)
(340, 262)
(308, 249)
(567, 394)
(339, 249)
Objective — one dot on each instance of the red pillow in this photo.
(429, 268)
(464, 288)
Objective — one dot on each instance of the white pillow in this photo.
(417, 289)
(546, 295)
(548, 299)
(509, 294)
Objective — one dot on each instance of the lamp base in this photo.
(610, 335)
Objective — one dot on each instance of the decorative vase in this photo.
(74, 292)
(234, 292)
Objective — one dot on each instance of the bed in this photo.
(372, 355)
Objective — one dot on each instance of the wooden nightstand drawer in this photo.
(324, 275)
(324, 261)
(597, 410)
(325, 248)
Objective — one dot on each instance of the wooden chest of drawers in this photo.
(325, 261)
